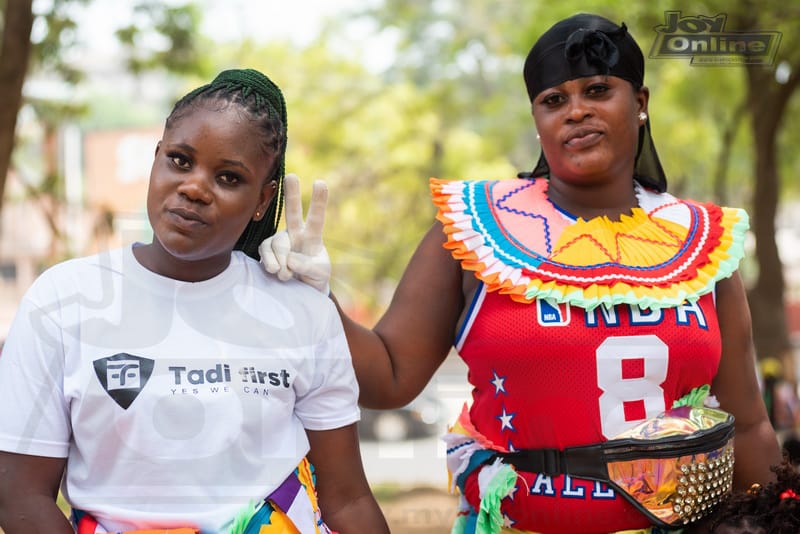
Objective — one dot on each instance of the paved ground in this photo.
(419, 510)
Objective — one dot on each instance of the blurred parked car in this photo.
(420, 418)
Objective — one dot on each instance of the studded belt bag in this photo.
(675, 467)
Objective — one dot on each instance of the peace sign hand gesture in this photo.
(298, 251)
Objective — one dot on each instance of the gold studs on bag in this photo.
(702, 485)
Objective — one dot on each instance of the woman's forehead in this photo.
(212, 119)
(225, 130)
(583, 81)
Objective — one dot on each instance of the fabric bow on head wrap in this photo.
(589, 45)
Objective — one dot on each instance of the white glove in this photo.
(298, 251)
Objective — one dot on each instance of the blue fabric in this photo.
(472, 522)
(261, 517)
(477, 459)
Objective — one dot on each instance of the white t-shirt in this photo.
(175, 403)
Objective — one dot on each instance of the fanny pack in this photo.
(675, 468)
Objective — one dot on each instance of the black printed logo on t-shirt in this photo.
(123, 376)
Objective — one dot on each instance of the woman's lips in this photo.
(583, 138)
(185, 218)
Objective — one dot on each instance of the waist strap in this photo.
(582, 462)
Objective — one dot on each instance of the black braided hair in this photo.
(263, 101)
(772, 509)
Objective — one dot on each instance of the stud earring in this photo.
(642, 116)
(258, 214)
(538, 137)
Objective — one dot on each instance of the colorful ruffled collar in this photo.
(667, 251)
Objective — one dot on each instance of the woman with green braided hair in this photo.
(171, 386)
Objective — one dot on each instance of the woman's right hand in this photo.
(298, 251)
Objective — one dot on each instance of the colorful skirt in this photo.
(291, 508)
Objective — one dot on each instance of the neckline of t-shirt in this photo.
(164, 285)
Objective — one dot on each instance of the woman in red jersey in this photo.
(582, 296)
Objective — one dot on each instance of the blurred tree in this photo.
(174, 47)
(172, 28)
(160, 38)
(17, 21)
(46, 190)
(769, 91)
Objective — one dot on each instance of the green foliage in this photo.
(164, 37)
(159, 37)
(57, 34)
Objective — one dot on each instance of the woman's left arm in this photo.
(736, 388)
(345, 498)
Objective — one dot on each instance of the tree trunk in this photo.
(720, 184)
(15, 53)
(766, 298)
(768, 101)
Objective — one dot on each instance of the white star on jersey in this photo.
(499, 384)
(505, 420)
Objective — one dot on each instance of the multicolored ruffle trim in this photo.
(468, 450)
(668, 251)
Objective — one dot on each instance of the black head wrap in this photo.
(587, 45)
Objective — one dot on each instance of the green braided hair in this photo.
(263, 101)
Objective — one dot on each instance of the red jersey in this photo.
(581, 329)
(555, 376)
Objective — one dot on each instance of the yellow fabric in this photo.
(279, 523)
(307, 480)
(635, 239)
